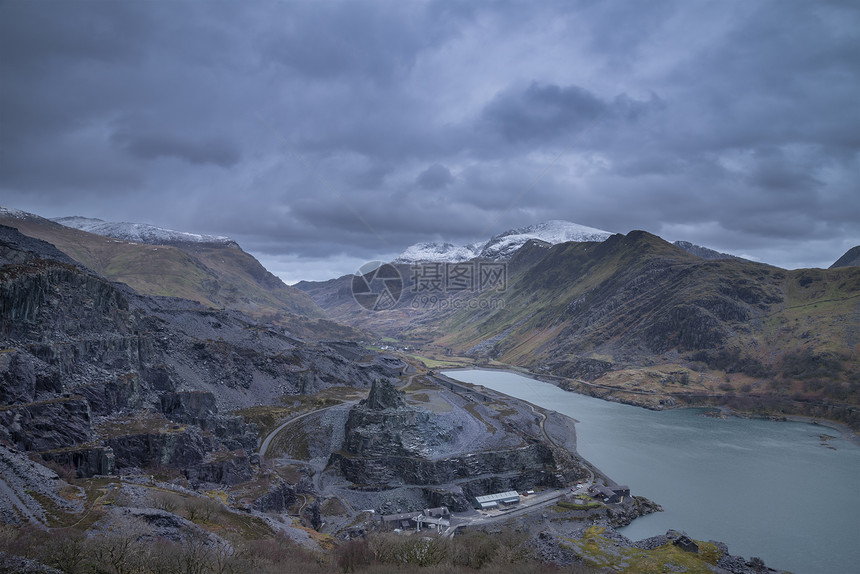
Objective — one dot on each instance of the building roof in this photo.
(438, 521)
(498, 497)
(403, 516)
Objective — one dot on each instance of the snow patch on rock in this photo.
(503, 245)
(138, 232)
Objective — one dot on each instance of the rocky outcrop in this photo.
(75, 348)
(687, 328)
(389, 443)
(47, 425)
(383, 425)
(17, 377)
(182, 449)
(86, 462)
(221, 468)
(452, 497)
(15, 247)
(851, 258)
(580, 368)
(189, 407)
(278, 499)
(24, 483)
(113, 397)
(28, 293)
(528, 466)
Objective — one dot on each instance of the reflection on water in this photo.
(764, 488)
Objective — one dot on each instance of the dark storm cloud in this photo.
(435, 177)
(542, 112)
(335, 131)
(151, 146)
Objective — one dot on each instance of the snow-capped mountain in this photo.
(437, 252)
(503, 245)
(555, 231)
(13, 213)
(138, 232)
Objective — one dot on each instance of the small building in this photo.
(488, 501)
(682, 541)
(438, 518)
(438, 512)
(402, 521)
(687, 544)
(622, 491)
(609, 494)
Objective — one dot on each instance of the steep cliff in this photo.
(389, 442)
(97, 377)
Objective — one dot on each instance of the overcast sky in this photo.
(321, 135)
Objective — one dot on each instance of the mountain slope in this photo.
(502, 246)
(216, 274)
(91, 372)
(139, 232)
(614, 312)
(702, 252)
(639, 318)
(850, 259)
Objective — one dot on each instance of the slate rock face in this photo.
(226, 468)
(182, 449)
(112, 397)
(384, 425)
(383, 396)
(389, 443)
(78, 353)
(278, 499)
(87, 462)
(17, 378)
(851, 258)
(188, 406)
(36, 426)
(517, 468)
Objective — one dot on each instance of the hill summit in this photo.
(140, 232)
(502, 246)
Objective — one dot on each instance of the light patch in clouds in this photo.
(291, 269)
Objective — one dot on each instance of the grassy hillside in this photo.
(640, 319)
(215, 275)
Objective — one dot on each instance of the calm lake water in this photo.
(766, 489)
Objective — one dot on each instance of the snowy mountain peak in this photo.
(139, 232)
(503, 245)
(12, 213)
(439, 252)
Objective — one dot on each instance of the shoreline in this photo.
(845, 432)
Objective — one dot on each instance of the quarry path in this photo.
(264, 447)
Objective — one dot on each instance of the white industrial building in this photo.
(494, 500)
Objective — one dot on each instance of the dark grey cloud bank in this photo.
(324, 134)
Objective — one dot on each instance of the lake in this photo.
(765, 488)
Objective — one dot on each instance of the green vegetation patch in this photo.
(564, 506)
(599, 551)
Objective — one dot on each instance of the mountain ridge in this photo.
(503, 245)
(851, 258)
(139, 232)
(639, 319)
(218, 275)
